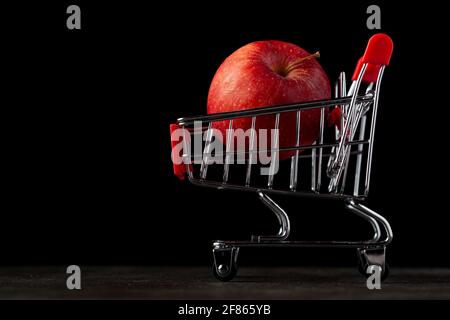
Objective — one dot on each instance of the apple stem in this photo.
(299, 61)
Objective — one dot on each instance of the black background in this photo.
(87, 176)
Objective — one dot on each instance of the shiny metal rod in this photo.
(206, 152)
(294, 160)
(319, 166)
(372, 130)
(283, 219)
(228, 154)
(313, 168)
(362, 130)
(188, 121)
(252, 150)
(274, 155)
(186, 154)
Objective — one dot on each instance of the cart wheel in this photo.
(384, 271)
(225, 264)
(373, 257)
(224, 273)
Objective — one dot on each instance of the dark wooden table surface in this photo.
(126, 282)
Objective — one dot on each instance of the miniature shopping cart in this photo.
(336, 166)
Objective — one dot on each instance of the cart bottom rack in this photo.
(371, 253)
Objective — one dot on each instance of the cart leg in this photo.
(225, 261)
(375, 219)
(368, 257)
(375, 255)
(283, 221)
(353, 207)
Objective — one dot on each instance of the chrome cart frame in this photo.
(341, 178)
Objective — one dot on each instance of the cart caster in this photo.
(225, 265)
(384, 272)
(373, 257)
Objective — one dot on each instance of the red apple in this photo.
(268, 73)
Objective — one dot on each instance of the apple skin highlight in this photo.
(269, 73)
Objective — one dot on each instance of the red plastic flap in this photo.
(178, 169)
(371, 73)
(334, 118)
(379, 50)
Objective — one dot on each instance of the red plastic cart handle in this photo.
(378, 52)
(371, 73)
(178, 169)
